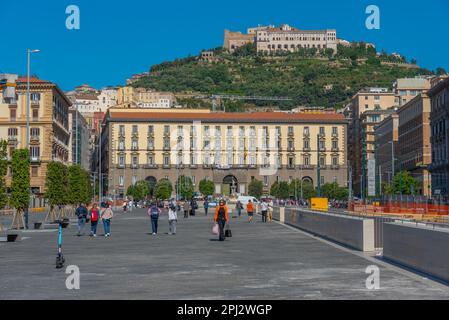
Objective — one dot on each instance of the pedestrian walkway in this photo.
(261, 261)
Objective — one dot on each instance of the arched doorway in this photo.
(152, 181)
(307, 180)
(230, 185)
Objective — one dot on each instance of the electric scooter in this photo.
(60, 260)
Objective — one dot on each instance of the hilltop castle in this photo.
(283, 38)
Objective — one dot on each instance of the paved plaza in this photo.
(261, 261)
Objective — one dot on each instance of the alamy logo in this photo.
(373, 20)
(73, 280)
(373, 280)
(72, 22)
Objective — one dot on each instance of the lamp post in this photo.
(29, 52)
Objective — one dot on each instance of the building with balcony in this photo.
(367, 109)
(414, 148)
(439, 122)
(230, 149)
(386, 136)
(49, 124)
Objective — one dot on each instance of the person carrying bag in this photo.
(221, 218)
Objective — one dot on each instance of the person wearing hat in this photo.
(221, 218)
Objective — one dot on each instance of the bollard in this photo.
(282, 214)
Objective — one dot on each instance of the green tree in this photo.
(334, 191)
(404, 183)
(206, 187)
(139, 191)
(184, 187)
(3, 171)
(163, 189)
(78, 185)
(57, 184)
(20, 185)
(255, 188)
(308, 191)
(274, 189)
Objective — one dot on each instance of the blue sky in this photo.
(118, 39)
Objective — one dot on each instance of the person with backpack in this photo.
(106, 215)
(81, 213)
(154, 213)
(172, 218)
(206, 206)
(94, 216)
(250, 210)
(221, 218)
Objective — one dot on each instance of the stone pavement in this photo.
(261, 261)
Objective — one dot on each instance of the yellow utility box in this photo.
(320, 204)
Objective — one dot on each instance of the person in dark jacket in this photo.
(193, 206)
(81, 213)
(221, 217)
(153, 213)
(206, 206)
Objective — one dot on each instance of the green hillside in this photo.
(308, 77)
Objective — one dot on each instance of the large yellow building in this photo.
(230, 149)
(49, 128)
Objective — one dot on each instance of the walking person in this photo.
(186, 207)
(221, 217)
(106, 215)
(239, 208)
(81, 213)
(270, 211)
(94, 216)
(250, 210)
(193, 206)
(154, 213)
(172, 219)
(264, 209)
(206, 206)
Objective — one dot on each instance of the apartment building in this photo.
(130, 97)
(439, 122)
(79, 143)
(49, 124)
(407, 89)
(270, 39)
(414, 148)
(386, 136)
(230, 149)
(367, 109)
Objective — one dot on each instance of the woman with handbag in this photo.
(221, 218)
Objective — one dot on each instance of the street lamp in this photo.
(29, 52)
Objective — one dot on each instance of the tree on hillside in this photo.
(184, 187)
(20, 185)
(206, 187)
(3, 171)
(248, 49)
(163, 189)
(255, 188)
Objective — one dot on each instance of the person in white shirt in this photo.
(264, 209)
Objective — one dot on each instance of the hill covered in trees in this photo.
(308, 77)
